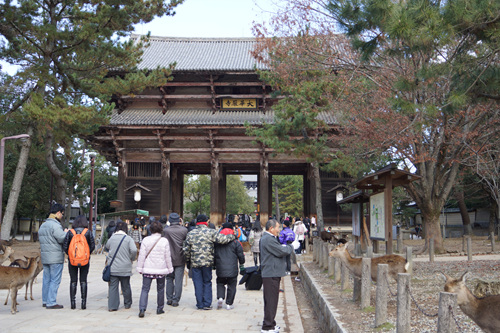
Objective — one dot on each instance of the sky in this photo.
(203, 18)
(210, 18)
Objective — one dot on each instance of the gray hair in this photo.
(271, 224)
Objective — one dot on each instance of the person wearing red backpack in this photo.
(78, 245)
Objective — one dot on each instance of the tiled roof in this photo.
(200, 54)
(181, 117)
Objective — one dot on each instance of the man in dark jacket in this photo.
(199, 252)
(226, 267)
(176, 235)
(273, 267)
(52, 236)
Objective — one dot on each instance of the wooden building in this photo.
(196, 125)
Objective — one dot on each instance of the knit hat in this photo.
(201, 218)
(174, 218)
(287, 223)
(227, 225)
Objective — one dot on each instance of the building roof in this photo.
(200, 54)
(183, 117)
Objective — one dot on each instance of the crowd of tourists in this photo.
(163, 250)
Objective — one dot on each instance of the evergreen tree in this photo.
(65, 51)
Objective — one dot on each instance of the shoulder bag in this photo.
(106, 272)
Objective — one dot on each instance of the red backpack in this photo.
(79, 251)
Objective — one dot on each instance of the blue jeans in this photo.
(202, 280)
(52, 274)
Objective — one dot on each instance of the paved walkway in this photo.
(245, 317)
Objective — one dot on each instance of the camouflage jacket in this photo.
(199, 245)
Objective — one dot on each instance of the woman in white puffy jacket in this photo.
(154, 262)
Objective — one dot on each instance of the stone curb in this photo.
(328, 316)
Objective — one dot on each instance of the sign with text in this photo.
(356, 219)
(377, 217)
(239, 104)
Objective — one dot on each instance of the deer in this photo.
(483, 311)
(13, 278)
(24, 264)
(397, 264)
(7, 253)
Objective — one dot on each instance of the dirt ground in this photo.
(425, 287)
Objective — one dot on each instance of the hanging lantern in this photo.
(137, 194)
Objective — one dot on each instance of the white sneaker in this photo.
(219, 303)
(269, 331)
(277, 328)
(229, 307)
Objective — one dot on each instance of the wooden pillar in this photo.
(388, 214)
(177, 190)
(165, 207)
(263, 190)
(120, 195)
(222, 199)
(215, 191)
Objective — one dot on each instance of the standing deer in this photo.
(13, 278)
(483, 311)
(7, 252)
(397, 264)
(24, 264)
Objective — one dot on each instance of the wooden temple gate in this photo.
(196, 125)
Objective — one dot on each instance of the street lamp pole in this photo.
(96, 192)
(2, 152)
(91, 210)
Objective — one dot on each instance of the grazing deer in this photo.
(483, 311)
(397, 264)
(24, 264)
(13, 278)
(7, 252)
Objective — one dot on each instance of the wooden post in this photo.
(315, 250)
(445, 318)
(381, 295)
(331, 266)
(388, 214)
(325, 255)
(469, 248)
(409, 259)
(403, 303)
(492, 238)
(369, 252)
(366, 281)
(356, 289)
(321, 253)
(400, 240)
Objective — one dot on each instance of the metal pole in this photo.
(2, 152)
(91, 210)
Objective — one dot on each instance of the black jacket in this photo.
(88, 236)
(227, 257)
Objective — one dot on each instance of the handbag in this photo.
(106, 272)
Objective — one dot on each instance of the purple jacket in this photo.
(286, 235)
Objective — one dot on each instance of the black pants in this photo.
(73, 272)
(231, 288)
(271, 297)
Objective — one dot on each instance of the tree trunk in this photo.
(492, 220)
(277, 201)
(10, 210)
(319, 207)
(459, 195)
(61, 183)
(432, 230)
